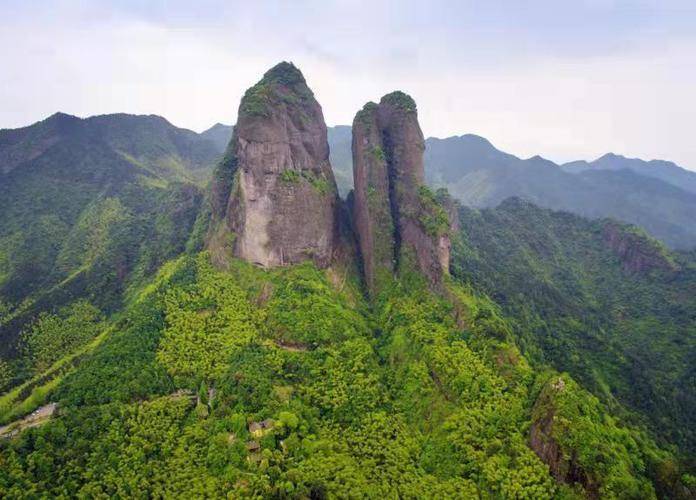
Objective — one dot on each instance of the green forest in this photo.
(501, 353)
(414, 395)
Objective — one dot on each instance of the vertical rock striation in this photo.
(372, 213)
(396, 217)
(274, 197)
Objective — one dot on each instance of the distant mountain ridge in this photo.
(657, 195)
(479, 175)
(147, 141)
(664, 170)
(219, 134)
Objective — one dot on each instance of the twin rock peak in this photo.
(274, 197)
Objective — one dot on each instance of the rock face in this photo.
(396, 216)
(274, 195)
(564, 466)
(372, 213)
(638, 252)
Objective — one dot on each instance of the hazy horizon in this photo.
(564, 82)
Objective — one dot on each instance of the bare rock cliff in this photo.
(274, 196)
(396, 216)
(638, 252)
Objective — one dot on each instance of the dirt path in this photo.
(39, 416)
(286, 346)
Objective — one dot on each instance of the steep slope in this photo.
(339, 139)
(664, 170)
(88, 204)
(598, 299)
(275, 198)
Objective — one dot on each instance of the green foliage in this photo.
(626, 335)
(401, 101)
(609, 454)
(378, 154)
(415, 395)
(79, 225)
(305, 309)
(473, 417)
(257, 100)
(52, 336)
(6, 374)
(290, 176)
(205, 324)
(282, 83)
(366, 115)
(284, 73)
(320, 184)
(432, 215)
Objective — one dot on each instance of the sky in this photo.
(567, 80)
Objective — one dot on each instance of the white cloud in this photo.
(87, 61)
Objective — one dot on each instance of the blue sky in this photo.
(562, 79)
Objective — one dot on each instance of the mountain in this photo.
(598, 299)
(219, 135)
(398, 221)
(479, 175)
(340, 138)
(659, 169)
(261, 338)
(87, 203)
(274, 195)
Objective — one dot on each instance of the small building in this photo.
(253, 446)
(258, 429)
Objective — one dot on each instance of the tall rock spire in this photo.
(372, 213)
(274, 196)
(396, 217)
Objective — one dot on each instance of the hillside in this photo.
(597, 299)
(86, 205)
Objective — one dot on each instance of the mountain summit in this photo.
(274, 194)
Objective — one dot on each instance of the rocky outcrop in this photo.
(274, 196)
(396, 217)
(638, 252)
(563, 464)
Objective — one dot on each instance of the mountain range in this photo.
(286, 310)
(656, 195)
